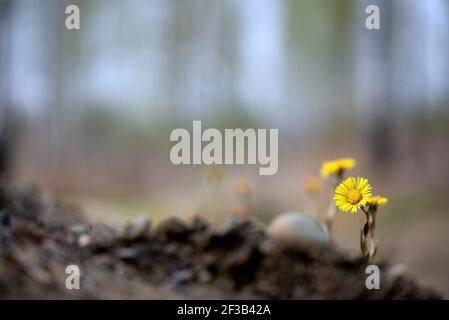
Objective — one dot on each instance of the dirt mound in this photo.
(39, 238)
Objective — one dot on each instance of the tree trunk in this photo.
(6, 7)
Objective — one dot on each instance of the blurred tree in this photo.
(6, 132)
(376, 48)
(200, 49)
(318, 41)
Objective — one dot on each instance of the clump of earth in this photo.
(40, 237)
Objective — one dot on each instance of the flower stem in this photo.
(332, 210)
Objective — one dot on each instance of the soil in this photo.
(40, 237)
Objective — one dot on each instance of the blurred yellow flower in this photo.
(215, 173)
(242, 187)
(312, 184)
(336, 166)
(377, 201)
(352, 194)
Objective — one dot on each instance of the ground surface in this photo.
(39, 237)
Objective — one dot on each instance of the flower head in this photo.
(352, 194)
(242, 187)
(312, 184)
(337, 166)
(215, 173)
(377, 201)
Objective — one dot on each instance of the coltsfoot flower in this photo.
(215, 173)
(312, 184)
(352, 194)
(377, 201)
(243, 187)
(337, 167)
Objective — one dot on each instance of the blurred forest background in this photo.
(86, 114)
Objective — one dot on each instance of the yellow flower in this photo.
(215, 173)
(352, 194)
(242, 187)
(377, 201)
(336, 166)
(312, 184)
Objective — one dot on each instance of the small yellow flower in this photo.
(242, 187)
(377, 201)
(215, 173)
(337, 166)
(312, 184)
(352, 194)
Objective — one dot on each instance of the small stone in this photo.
(199, 224)
(297, 231)
(79, 228)
(204, 276)
(50, 249)
(137, 229)
(5, 219)
(5, 230)
(127, 254)
(266, 246)
(232, 233)
(246, 255)
(229, 226)
(267, 287)
(84, 240)
(183, 276)
(103, 236)
(138, 254)
(171, 248)
(174, 229)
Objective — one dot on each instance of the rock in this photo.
(25, 201)
(171, 249)
(79, 228)
(5, 219)
(84, 240)
(137, 254)
(204, 276)
(297, 231)
(182, 277)
(174, 229)
(230, 226)
(137, 229)
(5, 230)
(199, 224)
(232, 233)
(102, 237)
(266, 246)
(127, 254)
(50, 250)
